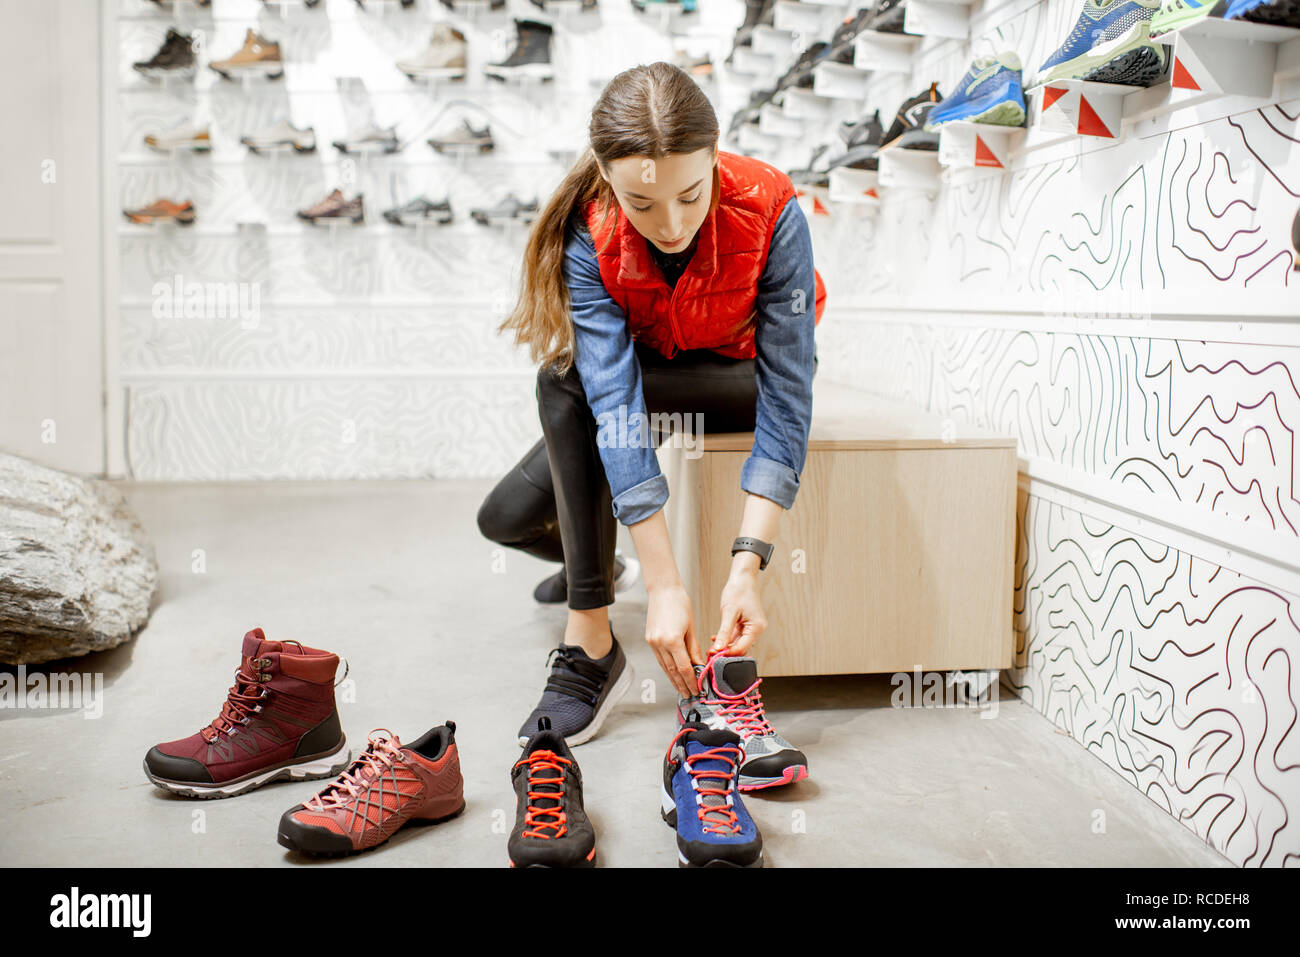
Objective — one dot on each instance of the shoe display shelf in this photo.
(812, 20)
(808, 105)
(285, 7)
(841, 81)
(885, 52)
(938, 18)
(909, 169)
(854, 186)
(966, 145)
(751, 139)
(748, 62)
(771, 41)
(774, 121)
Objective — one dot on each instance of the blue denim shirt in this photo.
(783, 340)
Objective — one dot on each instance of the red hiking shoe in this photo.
(389, 784)
(279, 721)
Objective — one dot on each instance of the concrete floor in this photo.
(395, 578)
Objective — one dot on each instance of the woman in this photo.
(663, 276)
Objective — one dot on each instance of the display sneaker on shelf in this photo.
(257, 57)
(162, 211)
(580, 692)
(700, 67)
(464, 137)
(816, 172)
(908, 130)
(171, 4)
(990, 92)
(279, 721)
(420, 210)
(757, 13)
(887, 16)
(551, 826)
(281, 136)
(509, 209)
(175, 58)
(1175, 14)
(841, 42)
(444, 57)
(388, 786)
(1284, 13)
(370, 139)
(334, 208)
(451, 4)
(586, 5)
(555, 590)
(1110, 43)
(531, 56)
(862, 141)
(800, 75)
(701, 799)
(729, 699)
(183, 136)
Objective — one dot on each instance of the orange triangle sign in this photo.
(1053, 93)
(1090, 123)
(1182, 78)
(983, 155)
(819, 209)
(872, 193)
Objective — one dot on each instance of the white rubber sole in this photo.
(325, 767)
(615, 695)
(537, 71)
(631, 572)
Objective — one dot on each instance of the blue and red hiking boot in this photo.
(551, 827)
(729, 700)
(701, 799)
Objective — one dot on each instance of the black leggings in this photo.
(555, 503)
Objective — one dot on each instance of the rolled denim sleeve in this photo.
(783, 341)
(611, 378)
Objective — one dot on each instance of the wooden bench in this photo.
(898, 553)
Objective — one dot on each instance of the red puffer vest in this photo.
(712, 306)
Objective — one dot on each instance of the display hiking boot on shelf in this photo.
(464, 137)
(512, 208)
(1284, 13)
(370, 138)
(887, 16)
(990, 92)
(420, 210)
(1110, 43)
(701, 799)
(729, 699)
(862, 141)
(162, 211)
(1176, 14)
(174, 58)
(257, 57)
(279, 137)
(183, 136)
(531, 56)
(335, 208)
(555, 590)
(389, 785)
(580, 692)
(278, 721)
(908, 130)
(444, 58)
(551, 827)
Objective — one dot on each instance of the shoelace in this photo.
(726, 821)
(577, 679)
(744, 712)
(539, 820)
(243, 701)
(352, 783)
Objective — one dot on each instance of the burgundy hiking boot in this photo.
(279, 721)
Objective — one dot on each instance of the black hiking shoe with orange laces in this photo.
(551, 827)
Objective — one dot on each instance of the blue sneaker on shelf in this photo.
(702, 801)
(990, 92)
(1110, 43)
(1176, 14)
(1280, 12)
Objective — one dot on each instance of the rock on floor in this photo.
(77, 572)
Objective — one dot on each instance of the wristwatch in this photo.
(756, 545)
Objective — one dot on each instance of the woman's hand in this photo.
(670, 631)
(743, 619)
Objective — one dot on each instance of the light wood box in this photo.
(906, 525)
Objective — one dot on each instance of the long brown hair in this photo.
(651, 111)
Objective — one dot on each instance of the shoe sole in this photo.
(796, 772)
(416, 220)
(1163, 22)
(538, 71)
(588, 861)
(155, 220)
(319, 842)
(325, 220)
(1006, 113)
(234, 72)
(1285, 12)
(309, 769)
(668, 811)
(159, 73)
(616, 693)
(436, 73)
(627, 579)
(1113, 61)
(279, 148)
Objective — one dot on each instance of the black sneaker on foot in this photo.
(555, 590)
(551, 826)
(580, 693)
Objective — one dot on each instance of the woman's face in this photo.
(665, 199)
